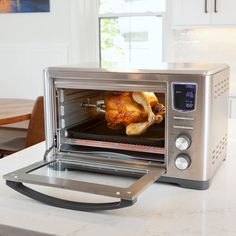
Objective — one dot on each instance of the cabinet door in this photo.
(191, 12)
(223, 12)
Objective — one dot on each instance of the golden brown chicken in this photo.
(135, 110)
(122, 110)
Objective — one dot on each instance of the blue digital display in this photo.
(184, 97)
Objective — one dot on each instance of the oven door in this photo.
(69, 172)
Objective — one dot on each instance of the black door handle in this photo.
(215, 6)
(80, 206)
(206, 6)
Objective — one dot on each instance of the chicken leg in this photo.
(146, 99)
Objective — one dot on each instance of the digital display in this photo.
(184, 96)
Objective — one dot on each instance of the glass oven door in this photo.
(85, 174)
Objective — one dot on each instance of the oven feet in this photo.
(192, 184)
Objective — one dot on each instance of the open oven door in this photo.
(62, 172)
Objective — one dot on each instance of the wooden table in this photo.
(15, 110)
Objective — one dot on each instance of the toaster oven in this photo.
(185, 147)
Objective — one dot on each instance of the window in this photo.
(130, 32)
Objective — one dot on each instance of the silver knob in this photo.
(182, 161)
(183, 142)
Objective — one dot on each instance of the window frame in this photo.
(165, 25)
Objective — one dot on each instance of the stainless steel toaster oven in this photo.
(167, 124)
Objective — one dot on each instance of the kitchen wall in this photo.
(211, 45)
(216, 45)
(30, 42)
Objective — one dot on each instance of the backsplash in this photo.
(215, 45)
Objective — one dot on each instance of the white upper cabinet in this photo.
(203, 12)
(191, 12)
(224, 12)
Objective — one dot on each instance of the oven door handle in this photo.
(57, 202)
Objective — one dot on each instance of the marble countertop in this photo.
(162, 209)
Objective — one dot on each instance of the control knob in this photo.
(183, 142)
(182, 161)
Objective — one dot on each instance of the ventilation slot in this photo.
(220, 148)
(221, 87)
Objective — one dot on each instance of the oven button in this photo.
(182, 161)
(183, 142)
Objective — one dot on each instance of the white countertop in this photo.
(162, 209)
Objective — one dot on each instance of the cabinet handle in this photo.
(206, 7)
(215, 6)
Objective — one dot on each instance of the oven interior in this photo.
(83, 129)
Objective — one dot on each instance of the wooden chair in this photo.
(35, 132)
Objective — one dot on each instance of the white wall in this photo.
(30, 42)
(211, 45)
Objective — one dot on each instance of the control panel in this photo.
(184, 99)
(184, 96)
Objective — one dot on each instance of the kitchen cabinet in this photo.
(224, 12)
(203, 12)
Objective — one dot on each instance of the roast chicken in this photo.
(134, 110)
